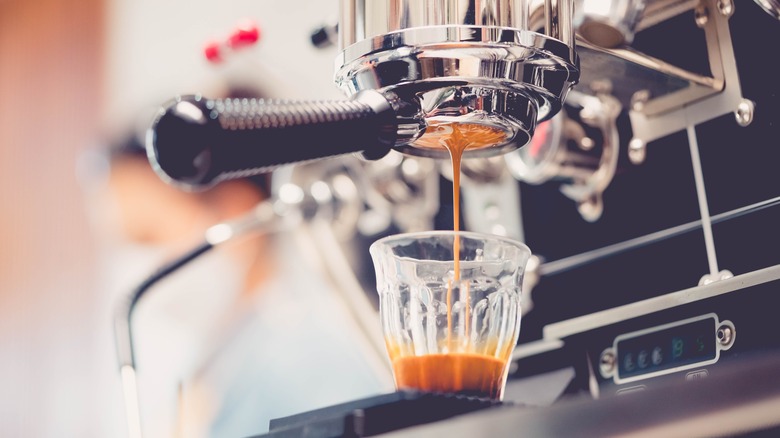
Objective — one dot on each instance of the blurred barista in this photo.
(246, 333)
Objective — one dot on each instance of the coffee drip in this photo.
(460, 370)
(456, 138)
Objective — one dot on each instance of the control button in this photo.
(212, 51)
(642, 359)
(245, 34)
(658, 356)
(697, 375)
(325, 36)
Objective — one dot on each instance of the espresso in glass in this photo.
(459, 373)
(450, 300)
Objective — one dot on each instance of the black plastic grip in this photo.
(196, 142)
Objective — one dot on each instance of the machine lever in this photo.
(196, 142)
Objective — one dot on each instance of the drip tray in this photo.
(376, 415)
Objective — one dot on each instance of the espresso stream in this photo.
(465, 373)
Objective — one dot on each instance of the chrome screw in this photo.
(726, 7)
(637, 151)
(639, 99)
(607, 363)
(744, 112)
(724, 335)
(587, 143)
(700, 15)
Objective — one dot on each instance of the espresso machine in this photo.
(628, 159)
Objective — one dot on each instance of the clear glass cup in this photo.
(450, 324)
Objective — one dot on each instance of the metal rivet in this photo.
(724, 335)
(726, 7)
(587, 143)
(701, 16)
(607, 363)
(639, 99)
(744, 112)
(637, 151)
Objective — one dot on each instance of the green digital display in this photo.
(673, 347)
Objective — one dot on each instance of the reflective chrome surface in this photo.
(536, 163)
(581, 153)
(459, 62)
(503, 78)
(608, 23)
(365, 19)
(771, 7)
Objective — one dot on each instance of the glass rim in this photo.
(469, 234)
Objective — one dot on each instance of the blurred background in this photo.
(72, 74)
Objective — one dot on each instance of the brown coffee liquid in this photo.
(460, 373)
(457, 138)
(464, 373)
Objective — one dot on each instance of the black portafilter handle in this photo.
(195, 142)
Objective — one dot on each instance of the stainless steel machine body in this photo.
(632, 260)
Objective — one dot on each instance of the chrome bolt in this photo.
(607, 363)
(701, 15)
(744, 112)
(637, 151)
(587, 143)
(726, 7)
(639, 99)
(724, 335)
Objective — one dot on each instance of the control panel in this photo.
(668, 348)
